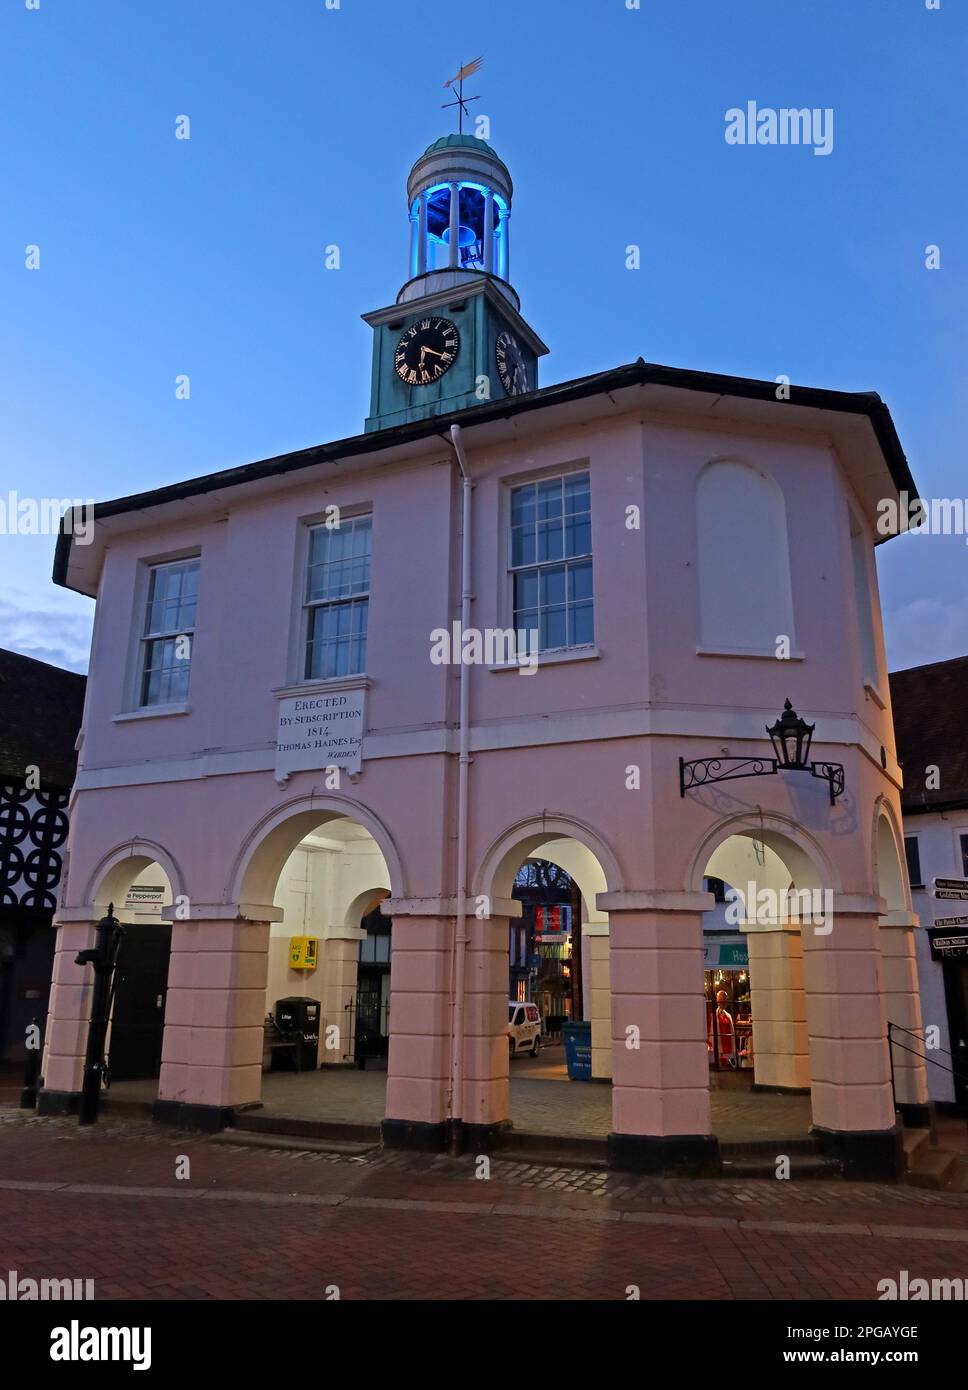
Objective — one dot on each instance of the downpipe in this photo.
(456, 1137)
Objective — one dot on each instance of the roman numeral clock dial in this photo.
(426, 350)
(511, 366)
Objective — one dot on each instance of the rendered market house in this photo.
(665, 533)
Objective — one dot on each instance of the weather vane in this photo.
(466, 71)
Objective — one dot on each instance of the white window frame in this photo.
(299, 648)
(146, 639)
(509, 570)
(131, 706)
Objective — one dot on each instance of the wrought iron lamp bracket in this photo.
(700, 772)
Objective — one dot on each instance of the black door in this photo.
(956, 989)
(138, 1018)
(371, 1024)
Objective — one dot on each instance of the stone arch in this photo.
(364, 903)
(809, 865)
(265, 850)
(582, 867)
(501, 861)
(888, 862)
(114, 874)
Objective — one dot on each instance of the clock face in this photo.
(427, 350)
(511, 366)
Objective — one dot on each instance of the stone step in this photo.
(131, 1109)
(562, 1150)
(253, 1140)
(543, 1159)
(249, 1122)
(753, 1148)
(932, 1168)
(803, 1167)
(958, 1176)
(914, 1142)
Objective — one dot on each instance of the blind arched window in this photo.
(745, 594)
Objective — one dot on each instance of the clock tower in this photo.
(455, 337)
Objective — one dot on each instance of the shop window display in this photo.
(729, 1021)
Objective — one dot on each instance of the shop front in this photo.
(729, 1017)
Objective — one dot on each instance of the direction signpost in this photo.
(951, 889)
(947, 942)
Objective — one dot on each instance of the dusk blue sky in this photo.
(206, 257)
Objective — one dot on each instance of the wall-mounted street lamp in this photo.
(790, 736)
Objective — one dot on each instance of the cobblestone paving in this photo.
(105, 1203)
(684, 1194)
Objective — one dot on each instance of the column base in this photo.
(422, 1137)
(666, 1155)
(483, 1139)
(58, 1102)
(419, 1136)
(184, 1115)
(865, 1155)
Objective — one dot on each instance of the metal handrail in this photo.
(953, 1070)
(913, 1034)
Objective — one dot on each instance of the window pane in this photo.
(553, 628)
(582, 625)
(580, 581)
(528, 621)
(553, 585)
(550, 541)
(526, 589)
(578, 535)
(549, 499)
(577, 493)
(523, 505)
(522, 545)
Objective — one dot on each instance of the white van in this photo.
(524, 1028)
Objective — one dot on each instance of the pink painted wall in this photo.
(646, 612)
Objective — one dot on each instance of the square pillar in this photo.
(68, 1016)
(486, 1098)
(781, 1042)
(211, 1060)
(902, 1004)
(599, 993)
(660, 1068)
(340, 950)
(418, 1070)
(853, 1108)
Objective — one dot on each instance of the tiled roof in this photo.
(40, 714)
(931, 723)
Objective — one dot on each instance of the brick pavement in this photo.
(255, 1223)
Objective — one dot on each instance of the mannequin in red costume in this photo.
(727, 1031)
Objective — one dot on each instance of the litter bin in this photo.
(577, 1038)
(298, 1021)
